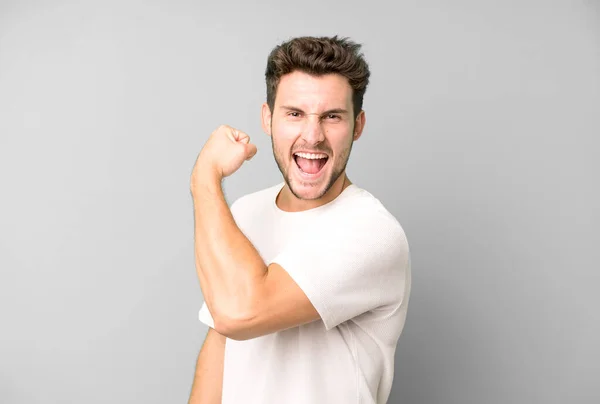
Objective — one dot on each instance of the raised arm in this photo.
(236, 284)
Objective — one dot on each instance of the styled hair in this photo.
(319, 56)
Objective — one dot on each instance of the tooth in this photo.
(311, 156)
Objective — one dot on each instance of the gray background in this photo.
(481, 137)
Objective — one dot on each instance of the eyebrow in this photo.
(330, 111)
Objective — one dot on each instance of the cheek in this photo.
(284, 135)
(285, 130)
(340, 144)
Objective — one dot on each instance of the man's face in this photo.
(312, 130)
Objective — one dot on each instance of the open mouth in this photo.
(310, 163)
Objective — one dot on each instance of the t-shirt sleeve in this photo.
(205, 317)
(350, 266)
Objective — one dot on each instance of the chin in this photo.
(308, 192)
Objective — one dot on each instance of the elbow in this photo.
(234, 327)
(236, 319)
(237, 315)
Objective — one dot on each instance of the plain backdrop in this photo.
(481, 138)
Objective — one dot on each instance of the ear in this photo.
(359, 124)
(266, 118)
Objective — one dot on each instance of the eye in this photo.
(294, 114)
(333, 116)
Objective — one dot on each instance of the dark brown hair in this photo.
(319, 56)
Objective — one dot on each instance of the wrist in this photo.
(205, 179)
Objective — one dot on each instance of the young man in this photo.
(306, 283)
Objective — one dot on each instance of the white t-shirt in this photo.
(351, 258)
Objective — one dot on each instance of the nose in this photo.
(313, 132)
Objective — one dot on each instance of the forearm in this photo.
(228, 265)
(207, 387)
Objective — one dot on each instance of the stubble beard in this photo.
(338, 169)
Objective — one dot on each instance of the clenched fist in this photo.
(223, 154)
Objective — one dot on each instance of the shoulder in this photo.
(361, 221)
(253, 201)
(362, 210)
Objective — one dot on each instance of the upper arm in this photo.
(280, 304)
